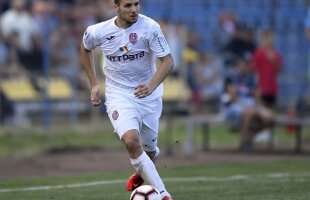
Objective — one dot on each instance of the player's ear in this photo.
(116, 7)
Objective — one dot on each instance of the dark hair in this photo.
(117, 2)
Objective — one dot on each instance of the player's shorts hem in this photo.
(149, 149)
(126, 125)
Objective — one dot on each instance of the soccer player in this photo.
(131, 42)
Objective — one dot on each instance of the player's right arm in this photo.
(88, 64)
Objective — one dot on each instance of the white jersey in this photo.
(129, 54)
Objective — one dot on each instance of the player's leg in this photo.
(136, 180)
(149, 137)
(141, 161)
(150, 126)
(125, 120)
(132, 141)
(127, 128)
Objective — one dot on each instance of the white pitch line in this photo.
(175, 179)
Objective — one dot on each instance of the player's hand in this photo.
(143, 90)
(94, 95)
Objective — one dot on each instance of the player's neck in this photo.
(121, 23)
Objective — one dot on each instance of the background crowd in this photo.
(240, 58)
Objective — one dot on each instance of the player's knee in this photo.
(132, 143)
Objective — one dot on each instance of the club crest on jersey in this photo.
(133, 38)
(115, 115)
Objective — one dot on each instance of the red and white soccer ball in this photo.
(145, 192)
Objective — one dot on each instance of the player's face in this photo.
(128, 11)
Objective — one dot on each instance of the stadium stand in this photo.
(19, 89)
(176, 90)
(59, 89)
(286, 16)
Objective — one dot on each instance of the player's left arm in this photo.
(163, 70)
(159, 46)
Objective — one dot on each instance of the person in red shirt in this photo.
(267, 62)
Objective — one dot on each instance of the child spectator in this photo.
(267, 63)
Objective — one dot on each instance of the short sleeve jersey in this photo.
(129, 54)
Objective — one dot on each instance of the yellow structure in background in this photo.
(19, 89)
(59, 89)
(175, 89)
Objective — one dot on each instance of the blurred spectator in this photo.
(9, 57)
(176, 35)
(241, 43)
(4, 5)
(4, 55)
(85, 12)
(105, 9)
(227, 27)
(190, 57)
(10, 115)
(307, 32)
(6, 109)
(20, 30)
(45, 16)
(64, 58)
(209, 78)
(240, 107)
(267, 62)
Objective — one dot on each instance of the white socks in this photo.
(157, 152)
(147, 170)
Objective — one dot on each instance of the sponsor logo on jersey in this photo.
(115, 115)
(110, 38)
(133, 37)
(126, 57)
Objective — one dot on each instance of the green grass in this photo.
(34, 143)
(217, 181)
(31, 142)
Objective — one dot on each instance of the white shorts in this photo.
(127, 113)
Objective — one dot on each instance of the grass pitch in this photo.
(277, 180)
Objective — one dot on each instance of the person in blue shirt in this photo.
(240, 106)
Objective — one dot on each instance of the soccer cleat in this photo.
(167, 198)
(134, 181)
